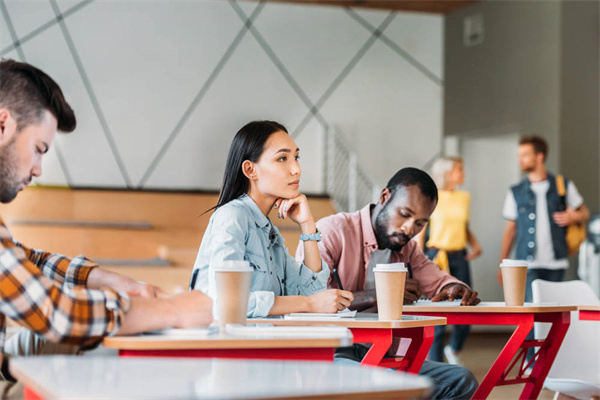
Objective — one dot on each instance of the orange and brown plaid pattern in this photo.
(46, 293)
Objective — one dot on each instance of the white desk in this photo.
(169, 378)
(264, 343)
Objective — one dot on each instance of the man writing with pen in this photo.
(354, 243)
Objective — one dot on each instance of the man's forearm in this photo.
(507, 240)
(363, 300)
(101, 278)
(147, 315)
(583, 214)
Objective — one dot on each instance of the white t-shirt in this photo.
(544, 254)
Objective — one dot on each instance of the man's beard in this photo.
(9, 184)
(383, 239)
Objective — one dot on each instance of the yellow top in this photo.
(448, 223)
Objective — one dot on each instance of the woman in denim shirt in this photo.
(262, 172)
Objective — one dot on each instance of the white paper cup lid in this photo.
(513, 263)
(233, 265)
(390, 267)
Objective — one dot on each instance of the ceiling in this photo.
(426, 6)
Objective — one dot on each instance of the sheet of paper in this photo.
(265, 331)
(189, 332)
(427, 302)
(340, 314)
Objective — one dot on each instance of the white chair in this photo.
(576, 369)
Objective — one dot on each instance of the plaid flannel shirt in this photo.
(46, 293)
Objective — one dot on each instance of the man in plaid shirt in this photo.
(61, 300)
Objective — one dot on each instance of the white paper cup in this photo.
(514, 281)
(389, 285)
(232, 279)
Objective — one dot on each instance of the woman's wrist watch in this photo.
(313, 236)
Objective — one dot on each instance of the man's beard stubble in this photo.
(8, 179)
(383, 239)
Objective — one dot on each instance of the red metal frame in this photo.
(516, 347)
(297, 354)
(30, 394)
(589, 315)
(381, 340)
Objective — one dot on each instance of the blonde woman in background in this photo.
(449, 235)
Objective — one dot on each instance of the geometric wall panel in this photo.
(160, 88)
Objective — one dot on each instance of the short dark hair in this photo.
(414, 176)
(540, 145)
(27, 92)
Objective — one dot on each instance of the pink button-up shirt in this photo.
(347, 242)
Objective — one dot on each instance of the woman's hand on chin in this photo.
(296, 209)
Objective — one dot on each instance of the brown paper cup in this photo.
(233, 291)
(514, 280)
(389, 285)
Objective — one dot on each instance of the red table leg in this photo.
(421, 341)
(498, 373)
(300, 354)
(381, 340)
(30, 394)
(547, 352)
(499, 370)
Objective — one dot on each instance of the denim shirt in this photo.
(238, 230)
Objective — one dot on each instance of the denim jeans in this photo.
(449, 381)
(552, 275)
(460, 269)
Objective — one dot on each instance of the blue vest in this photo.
(526, 217)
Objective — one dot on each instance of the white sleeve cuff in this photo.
(260, 303)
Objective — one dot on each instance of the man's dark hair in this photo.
(27, 92)
(540, 145)
(414, 176)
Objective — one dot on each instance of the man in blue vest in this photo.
(533, 212)
(534, 218)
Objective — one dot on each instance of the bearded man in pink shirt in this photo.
(353, 243)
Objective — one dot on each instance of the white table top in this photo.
(155, 378)
(237, 337)
(484, 307)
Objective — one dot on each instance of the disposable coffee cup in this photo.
(389, 285)
(233, 290)
(514, 280)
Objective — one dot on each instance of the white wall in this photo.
(491, 167)
(160, 88)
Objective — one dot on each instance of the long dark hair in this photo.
(248, 144)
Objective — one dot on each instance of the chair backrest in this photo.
(579, 355)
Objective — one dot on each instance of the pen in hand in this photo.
(337, 279)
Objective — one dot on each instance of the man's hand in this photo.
(142, 289)
(566, 218)
(499, 276)
(412, 291)
(454, 291)
(192, 309)
(100, 278)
